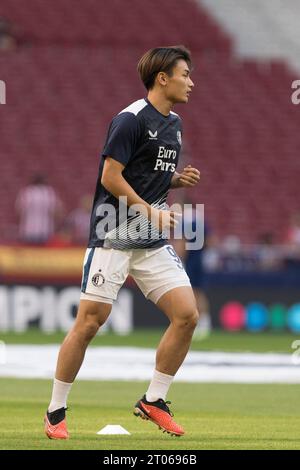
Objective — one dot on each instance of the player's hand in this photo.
(164, 220)
(189, 177)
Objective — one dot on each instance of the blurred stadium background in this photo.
(69, 66)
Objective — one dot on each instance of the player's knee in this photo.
(90, 329)
(193, 318)
(92, 324)
(90, 319)
(188, 319)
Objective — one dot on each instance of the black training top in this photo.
(147, 143)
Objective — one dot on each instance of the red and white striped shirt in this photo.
(37, 205)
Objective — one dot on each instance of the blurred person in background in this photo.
(267, 253)
(232, 253)
(78, 221)
(293, 232)
(7, 39)
(193, 262)
(39, 210)
(292, 244)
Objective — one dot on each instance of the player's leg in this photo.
(162, 278)
(105, 270)
(180, 307)
(91, 315)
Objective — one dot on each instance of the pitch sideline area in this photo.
(132, 363)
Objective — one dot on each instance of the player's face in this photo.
(179, 85)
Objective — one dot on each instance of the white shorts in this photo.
(156, 271)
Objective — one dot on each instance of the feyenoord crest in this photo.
(179, 137)
(98, 279)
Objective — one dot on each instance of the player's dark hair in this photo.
(161, 59)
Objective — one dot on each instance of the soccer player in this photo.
(138, 163)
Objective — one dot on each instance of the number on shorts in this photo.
(175, 257)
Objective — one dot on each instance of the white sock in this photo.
(159, 386)
(60, 394)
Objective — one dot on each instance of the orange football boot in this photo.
(159, 413)
(56, 425)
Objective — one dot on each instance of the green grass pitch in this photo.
(215, 416)
(216, 341)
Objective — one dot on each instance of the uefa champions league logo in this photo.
(2, 92)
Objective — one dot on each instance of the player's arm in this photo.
(114, 182)
(187, 179)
